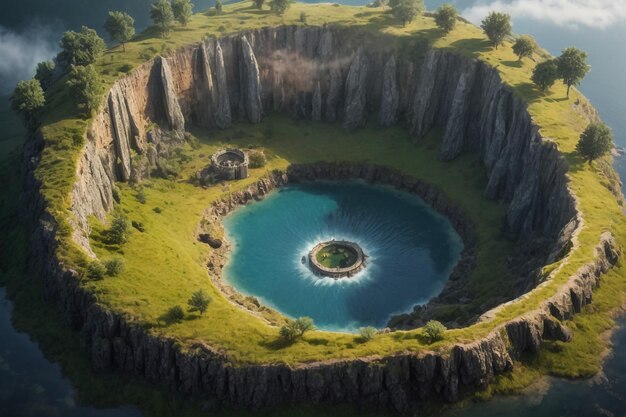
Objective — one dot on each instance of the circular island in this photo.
(336, 259)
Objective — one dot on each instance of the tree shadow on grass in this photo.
(474, 46)
(513, 64)
(575, 161)
(277, 344)
(529, 92)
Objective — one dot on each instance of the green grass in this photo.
(335, 256)
(148, 288)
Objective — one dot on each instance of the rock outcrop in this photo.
(240, 76)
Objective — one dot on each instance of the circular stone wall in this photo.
(352, 259)
(230, 164)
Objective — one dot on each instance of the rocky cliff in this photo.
(321, 74)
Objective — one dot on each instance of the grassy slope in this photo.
(246, 337)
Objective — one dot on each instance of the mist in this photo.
(21, 50)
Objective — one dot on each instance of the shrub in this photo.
(96, 270)
(199, 301)
(118, 233)
(367, 333)
(174, 315)
(141, 196)
(148, 53)
(125, 68)
(434, 331)
(84, 84)
(295, 329)
(257, 159)
(303, 17)
(114, 266)
(138, 225)
(259, 3)
(280, 6)
(219, 5)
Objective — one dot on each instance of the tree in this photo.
(45, 74)
(524, 47)
(81, 48)
(259, 3)
(545, 74)
(572, 66)
(121, 27)
(118, 232)
(162, 15)
(84, 84)
(406, 10)
(367, 333)
(218, 6)
(28, 100)
(295, 329)
(446, 18)
(199, 301)
(595, 141)
(434, 331)
(280, 6)
(497, 26)
(182, 9)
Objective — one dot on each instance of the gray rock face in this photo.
(390, 97)
(316, 111)
(250, 83)
(205, 97)
(172, 107)
(124, 129)
(356, 92)
(223, 117)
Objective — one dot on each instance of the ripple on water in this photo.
(411, 252)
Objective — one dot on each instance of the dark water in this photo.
(30, 385)
(411, 249)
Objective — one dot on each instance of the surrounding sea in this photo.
(31, 385)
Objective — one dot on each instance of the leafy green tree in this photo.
(295, 329)
(85, 86)
(219, 5)
(182, 9)
(114, 266)
(81, 48)
(497, 26)
(121, 27)
(545, 74)
(28, 100)
(45, 74)
(595, 141)
(367, 333)
(118, 232)
(446, 18)
(162, 15)
(572, 66)
(434, 331)
(259, 3)
(406, 10)
(280, 6)
(524, 47)
(199, 301)
(174, 315)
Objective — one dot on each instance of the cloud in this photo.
(569, 13)
(20, 51)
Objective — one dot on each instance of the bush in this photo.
(367, 333)
(148, 53)
(303, 17)
(141, 196)
(280, 6)
(118, 233)
(125, 68)
(85, 87)
(174, 315)
(434, 331)
(257, 159)
(295, 329)
(199, 301)
(96, 270)
(114, 266)
(139, 226)
(219, 5)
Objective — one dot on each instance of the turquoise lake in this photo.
(411, 251)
